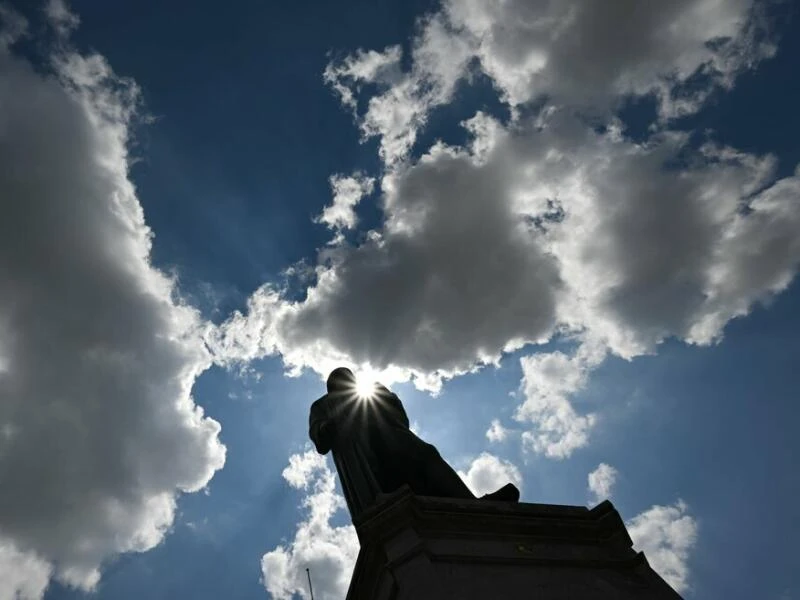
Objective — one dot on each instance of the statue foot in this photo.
(507, 493)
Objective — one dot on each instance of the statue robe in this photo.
(373, 448)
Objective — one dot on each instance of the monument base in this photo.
(420, 548)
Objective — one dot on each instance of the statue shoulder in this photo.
(384, 392)
(389, 395)
(393, 401)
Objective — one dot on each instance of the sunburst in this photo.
(365, 385)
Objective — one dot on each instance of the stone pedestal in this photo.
(422, 548)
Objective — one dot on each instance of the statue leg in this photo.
(441, 478)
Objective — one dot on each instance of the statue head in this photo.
(341, 380)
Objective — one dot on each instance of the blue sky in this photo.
(567, 237)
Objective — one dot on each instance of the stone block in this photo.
(422, 548)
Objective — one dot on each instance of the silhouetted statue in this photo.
(374, 449)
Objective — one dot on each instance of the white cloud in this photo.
(587, 54)
(347, 193)
(370, 66)
(401, 108)
(487, 473)
(576, 53)
(13, 26)
(23, 575)
(757, 257)
(601, 481)
(61, 18)
(305, 469)
(666, 534)
(99, 430)
(548, 381)
(552, 225)
(496, 432)
(329, 552)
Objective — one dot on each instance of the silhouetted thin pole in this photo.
(310, 589)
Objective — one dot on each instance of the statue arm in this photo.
(320, 428)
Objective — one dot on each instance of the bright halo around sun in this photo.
(365, 385)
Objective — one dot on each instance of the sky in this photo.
(567, 234)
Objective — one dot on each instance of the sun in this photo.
(365, 385)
